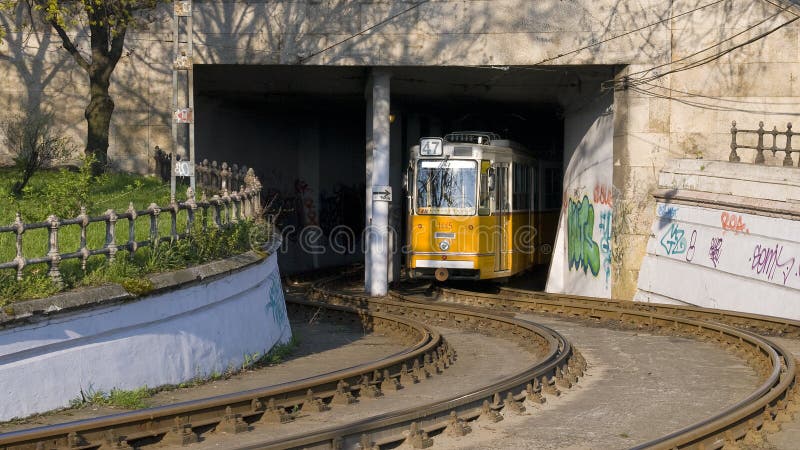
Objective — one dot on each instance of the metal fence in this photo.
(220, 210)
(760, 148)
(210, 177)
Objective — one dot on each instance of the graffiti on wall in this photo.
(276, 307)
(733, 222)
(605, 243)
(674, 240)
(583, 252)
(715, 251)
(743, 255)
(603, 195)
(666, 211)
(767, 260)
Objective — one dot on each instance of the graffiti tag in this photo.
(690, 250)
(276, 307)
(733, 222)
(603, 195)
(673, 240)
(715, 250)
(584, 253)
(767, 260)
(666, 211)
(605, 242)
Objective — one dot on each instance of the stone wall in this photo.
(685, 113)
(234, 311)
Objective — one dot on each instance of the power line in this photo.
(365, 30)
(595, 44)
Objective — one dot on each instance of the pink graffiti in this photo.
(733, 222)
(603, 195)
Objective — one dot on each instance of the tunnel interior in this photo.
(303, 128)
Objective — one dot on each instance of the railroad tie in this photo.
(406, 377)
(418, 438)
(548, 387)
(367, 389)
(419, 372)
(488, 414)
(273, 413)
(753, 437)
(512, 405)
(342, 396)
(730, 441)
(562, 380)
(768, 424)
(534, 395)
(367, 444)
(231, 423)
(428, 365)
(180, 434)
(456, 427)
(313, 404)
(389, 383)
(112, 441)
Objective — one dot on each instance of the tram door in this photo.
(503, 216)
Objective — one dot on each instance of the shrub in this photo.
(33, 143)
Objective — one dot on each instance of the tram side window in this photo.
(521, 195)
(484, 199)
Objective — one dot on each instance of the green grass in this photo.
(117, 398)
(112, 191)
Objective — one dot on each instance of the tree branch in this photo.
(69, 46)
(117, 44)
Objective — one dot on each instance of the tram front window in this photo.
(447, 187)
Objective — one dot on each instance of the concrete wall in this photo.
(681, 113)
(729, 233)
(161, 339)
(582, 261)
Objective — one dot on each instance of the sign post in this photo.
(182, 96)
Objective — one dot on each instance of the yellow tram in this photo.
(471, 198)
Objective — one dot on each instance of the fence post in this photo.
(84, 249)
(760, 145)
(204, 204)
(132, 244)
(154, 212)
(733, 157)
(52, 252)
(19, 227)
(787, 160)
(191, 206)
(111, 234)
(215, 201)
(173, 214)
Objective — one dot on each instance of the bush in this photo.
(33, 144)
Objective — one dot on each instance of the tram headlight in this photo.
(444, 245)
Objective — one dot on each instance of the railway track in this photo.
(771, 403)
(558, 366)
(179, 424)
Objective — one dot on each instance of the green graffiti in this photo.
(584, 253)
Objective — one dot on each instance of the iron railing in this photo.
(760, 147)
(225, 208)
(210, 177)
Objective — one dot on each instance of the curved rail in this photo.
(768, 403)
(269, 404)
(559, 366)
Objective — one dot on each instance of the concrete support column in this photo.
(378, 134)
(396, 209)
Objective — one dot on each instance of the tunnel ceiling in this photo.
(507, 85)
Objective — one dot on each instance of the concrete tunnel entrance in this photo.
(304, 128)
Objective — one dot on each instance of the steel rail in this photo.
(176, 422)
(559, 363)
(768, 403)
(755, 322)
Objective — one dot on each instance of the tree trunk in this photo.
(98, 120)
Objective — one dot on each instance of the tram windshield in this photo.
(447, 187)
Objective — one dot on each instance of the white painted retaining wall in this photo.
(166, 338)
(721, 259)
(581, 261)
